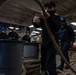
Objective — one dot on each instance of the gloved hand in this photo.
(36, 19)
(45, 15)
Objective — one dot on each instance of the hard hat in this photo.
(4, 28)
(51, 4)
(63, 19)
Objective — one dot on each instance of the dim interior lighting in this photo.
(31, 26)
(11, 27)
(17, 28)
(39, 29)
(36, 32)
(73, 23)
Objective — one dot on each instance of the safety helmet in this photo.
(63, 19)
(4, 28)
(51, 4)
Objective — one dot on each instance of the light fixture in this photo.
(31, 26)
(73, 23)
(36, 32)
(38, 28)
(33, 34)
(11, 27)
(17, 28)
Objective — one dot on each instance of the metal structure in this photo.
(10, 57)
(31, 51)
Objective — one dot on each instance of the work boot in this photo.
(60, 68)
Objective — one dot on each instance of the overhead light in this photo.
(39, 29)
(36, 32)
(17, 28)
(33, 34)
(74, 30)
(73, 23)
(31, 26)
(11, 27)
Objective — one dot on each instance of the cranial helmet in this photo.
(63, 19)
(4, 28)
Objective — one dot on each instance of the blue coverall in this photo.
(67, 36)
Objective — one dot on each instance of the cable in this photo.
(59, 71)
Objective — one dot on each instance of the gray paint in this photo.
(31, 51)
(10, 57)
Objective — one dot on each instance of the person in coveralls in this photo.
(3, 34)
(13, 35)
(67, 37)
(48, 51)
(26, 37)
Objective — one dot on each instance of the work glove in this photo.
(45, 15)
(36, 19)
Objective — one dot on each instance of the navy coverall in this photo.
(48, 51)
(67, 36)
(13, 36)
(3, 35)
(26, 38)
